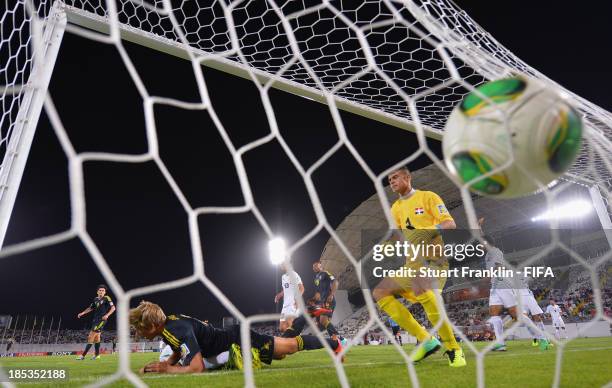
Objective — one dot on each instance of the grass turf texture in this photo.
(586, 363)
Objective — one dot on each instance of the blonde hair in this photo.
(147, 315)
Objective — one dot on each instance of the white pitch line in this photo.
(363, 364)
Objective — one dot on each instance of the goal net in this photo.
(402, 63)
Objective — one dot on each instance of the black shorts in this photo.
(97, 325)
(263, 343)
(395, 329)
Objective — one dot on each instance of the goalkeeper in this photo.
(420, 215)
(192, 340)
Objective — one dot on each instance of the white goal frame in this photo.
(96, 27)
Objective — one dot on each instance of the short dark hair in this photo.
(102, 286)
(405, 169)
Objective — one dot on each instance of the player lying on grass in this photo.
(192, 340)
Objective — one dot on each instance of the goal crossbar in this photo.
(100, 24)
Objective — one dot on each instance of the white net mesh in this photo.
(401, 62)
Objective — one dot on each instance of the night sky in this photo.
(139, 225)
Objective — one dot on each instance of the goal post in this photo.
(45, 41)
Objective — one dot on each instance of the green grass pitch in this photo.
(585, 363)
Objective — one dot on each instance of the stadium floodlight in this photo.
(572, 209)
(278, 250)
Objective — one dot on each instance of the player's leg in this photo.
(384, 295)
(90, 342)
(539, 322)
(325, 322)
(495, 309)
(297, 326)
(97, 345)
(537, 338)
(395, 330)
(283, 323)
(557, 334)
(265, 348)
(285, 346)
(97, 334)
(427, 298)
(564, 336)
(530, 306)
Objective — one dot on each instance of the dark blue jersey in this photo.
(189, 336)
(100, 306)
(323, 283)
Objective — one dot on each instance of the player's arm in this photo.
(332, 289)
(437, 208)
(279, 296)
(195, 366)
(316, 297)
(447, 224)
(111, 310)
(109, 313)
(85, 312)
(174, 358)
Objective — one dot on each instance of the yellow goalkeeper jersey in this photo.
(422, 210)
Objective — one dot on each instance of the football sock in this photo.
(498, 327)
(331, 329)
(97, 348)
(400, 314)
(430, 305)
(87, 347)
(540, 326)
(531, 331)
(296, 328)
(310, 342)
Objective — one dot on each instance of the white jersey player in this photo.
(504, 294)
(554, 310)
(291, 283)
(501, 295)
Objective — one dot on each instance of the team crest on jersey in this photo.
(442, 209)
(419, 210)
(286, 285)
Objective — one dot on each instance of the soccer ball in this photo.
(524, 117)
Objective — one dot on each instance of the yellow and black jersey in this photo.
(189, 336)
(100, 306)
(323, 282)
